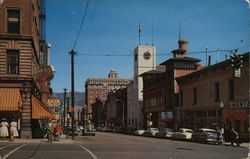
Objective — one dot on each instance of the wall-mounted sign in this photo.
(54, 102)
(240, 104)
(166, 115)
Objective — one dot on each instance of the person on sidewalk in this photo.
(234, 137)
(13, 128)
(58, 131)
(49, 129)
(220, 140)
(4, 132)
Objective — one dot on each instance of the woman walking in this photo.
(4, 128)
(13, 128)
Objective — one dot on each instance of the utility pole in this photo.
(64, 108)
(73, 53)
(206, 56)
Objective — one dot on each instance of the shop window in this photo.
(13, 62)
(13, 21)
(212, 113)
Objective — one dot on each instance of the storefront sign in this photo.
(166, 115)
(240, 104)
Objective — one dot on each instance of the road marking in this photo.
(94, 157)
(8, 154)
(5, 147)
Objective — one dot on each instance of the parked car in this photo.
(151, 132)
(183, 134)
(89, 129)
(205, 135)
(139, 132)
(165, 133)
(69, 130)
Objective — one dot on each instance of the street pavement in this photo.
(117, 146)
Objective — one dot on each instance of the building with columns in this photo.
(25, 73)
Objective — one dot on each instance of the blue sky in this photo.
(111, 27)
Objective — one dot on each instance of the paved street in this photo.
(119, 146)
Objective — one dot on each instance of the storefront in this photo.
(238, 117)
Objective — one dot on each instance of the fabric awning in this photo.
(10, 99)
(40, 111)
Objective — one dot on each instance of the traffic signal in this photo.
(236, 61)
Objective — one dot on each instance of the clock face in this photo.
(146, 55)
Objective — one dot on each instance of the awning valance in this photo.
(10, 99)
(40, 111)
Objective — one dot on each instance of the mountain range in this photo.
(79, 98)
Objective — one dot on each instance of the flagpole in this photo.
(139, 30)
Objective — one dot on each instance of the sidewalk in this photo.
(45, 141)
(241, 145)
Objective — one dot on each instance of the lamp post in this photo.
(222, 123)
(119, 100)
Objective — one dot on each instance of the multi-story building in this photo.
(213, 97)
(160, 89)
(144, 60)
(25, 73)
(97, 89)
(116, 106)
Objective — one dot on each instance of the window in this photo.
(231, 88)
(14, 21)
(194, 96)
(13, 62)
(217, 91)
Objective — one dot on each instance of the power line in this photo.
(82, 21)
(167, 54)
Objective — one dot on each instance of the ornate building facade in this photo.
(24, 73)
(97, 89)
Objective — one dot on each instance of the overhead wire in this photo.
(82, 22)
(167, 54)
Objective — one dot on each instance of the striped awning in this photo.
(10, 99)
(41, 111)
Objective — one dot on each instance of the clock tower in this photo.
(144, 59)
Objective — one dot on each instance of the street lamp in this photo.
(221, 108)
(119, 100)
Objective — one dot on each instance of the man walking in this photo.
(234, 137)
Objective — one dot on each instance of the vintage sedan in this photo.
(151, 132)
(205, 135)
(165, 133)
(183, 134)
(139, 132)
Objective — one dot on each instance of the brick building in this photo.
(97, 89)
(25, 72)
(161, 91)
(213, 97)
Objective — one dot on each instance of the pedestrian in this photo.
(219, 136)
(4, 128)
(13, 128)
(49, 129)
(234, 137)
(58, 131)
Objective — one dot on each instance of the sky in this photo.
(110, 28)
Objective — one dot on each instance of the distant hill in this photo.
(79, 98)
